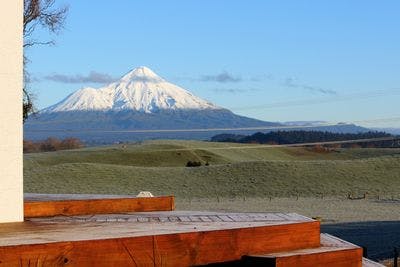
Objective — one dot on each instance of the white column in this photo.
(11, 53)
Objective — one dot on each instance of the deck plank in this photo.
(42, 208)
(333, 252)
(150, 238)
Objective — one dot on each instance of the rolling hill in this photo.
(234, 170)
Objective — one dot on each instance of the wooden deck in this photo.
(152, 238)
(97, 237)
(40, 205)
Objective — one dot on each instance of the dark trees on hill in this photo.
(297, 137)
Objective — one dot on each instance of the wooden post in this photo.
(11, 54)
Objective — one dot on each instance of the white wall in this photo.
(11, 184)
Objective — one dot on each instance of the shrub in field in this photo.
(320, 149)
(71, 143)
(51, 144)
(193, 164)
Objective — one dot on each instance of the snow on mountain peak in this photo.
(141, 74)
(139, 90)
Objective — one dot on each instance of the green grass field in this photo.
(235, 170)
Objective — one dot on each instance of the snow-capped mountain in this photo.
(139, 90)
(140, 100)
(142, 105)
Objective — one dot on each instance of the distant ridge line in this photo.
(223, 129)
(198, 129)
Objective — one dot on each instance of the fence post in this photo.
(396, 257)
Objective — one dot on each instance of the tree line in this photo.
(301, 136)
(52, 144)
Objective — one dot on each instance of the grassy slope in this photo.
(158, 166)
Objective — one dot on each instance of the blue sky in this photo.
(273, 60)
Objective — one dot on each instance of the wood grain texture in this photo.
(174, 249)
(333, 252)
(96, 206)
(113, 252)
(227, 245)
(42, 230)
(339, 258)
